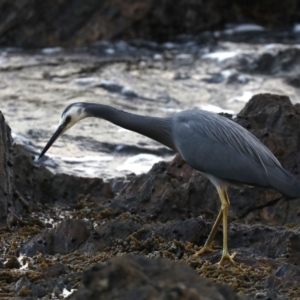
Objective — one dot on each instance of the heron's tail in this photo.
(284, 182)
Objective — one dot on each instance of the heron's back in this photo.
(218, 146)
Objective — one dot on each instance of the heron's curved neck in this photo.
(159, 129)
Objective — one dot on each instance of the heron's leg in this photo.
(224, 208)
(207, 246)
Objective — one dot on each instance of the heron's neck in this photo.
(158, 129)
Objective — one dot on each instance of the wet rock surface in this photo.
(61, 225)
(6, 175)
(149, 279)
(30, 23)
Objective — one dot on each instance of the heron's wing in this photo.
(218, 146)
(218, 129)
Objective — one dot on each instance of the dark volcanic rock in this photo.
(30, 23)
(166, 213)
(6, 173)
(25, 288)
(36, 182)
(293, 80)
(125, 229)
(64, 238)
(286, 275)
(273, 119)
(109, 233)
(142, 278)
(271, 62)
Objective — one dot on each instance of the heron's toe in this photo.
(205, 249)
(227, 256)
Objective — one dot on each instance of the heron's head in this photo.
(70, 116)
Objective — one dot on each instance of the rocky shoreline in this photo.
(109, 214)
(59, 226)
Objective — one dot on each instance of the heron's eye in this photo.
(68, 119)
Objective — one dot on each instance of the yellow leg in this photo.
(224, 207)
(222, 214)
(207, 246)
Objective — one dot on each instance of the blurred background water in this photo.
(147, 57)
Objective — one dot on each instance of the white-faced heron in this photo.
(223, 151)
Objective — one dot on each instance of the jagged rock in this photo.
(37, 182)
(270, 62)
(167, 212)
(25, 288)
(64, 238)
(6, 172)
(30, 23)
(138, 277)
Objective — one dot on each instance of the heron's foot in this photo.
(226, 256)
(204, 249)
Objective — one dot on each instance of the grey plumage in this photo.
(216, 145)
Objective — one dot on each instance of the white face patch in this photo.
(76, 113)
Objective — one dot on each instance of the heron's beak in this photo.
(57, 133)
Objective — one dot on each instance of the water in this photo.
(140, 77)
